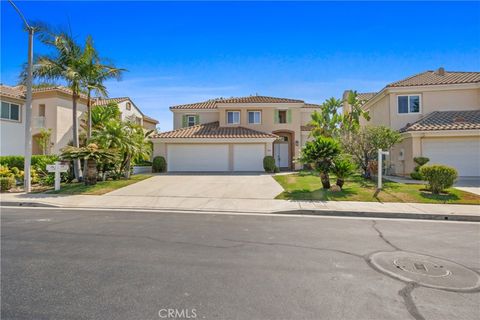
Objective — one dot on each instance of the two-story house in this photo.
(51, 110)
(438, 114)
(235, 134)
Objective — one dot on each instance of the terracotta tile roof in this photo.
(212, 104)
(103, 102)
(213, 130)
(58, 89)
(260, 99)
(438, 77)
(12, 92)
(150, 119)
(312, 105)
(365, 96)
(446, 120)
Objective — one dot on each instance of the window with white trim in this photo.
(408, 104)
(191, 121)
(254, 117)
(233, 117)
(10, 111)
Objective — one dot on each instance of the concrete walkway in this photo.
(112, 201)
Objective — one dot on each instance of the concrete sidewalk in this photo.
(342, 208)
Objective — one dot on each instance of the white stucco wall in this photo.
(12, 140)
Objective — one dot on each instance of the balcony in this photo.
(38, 122)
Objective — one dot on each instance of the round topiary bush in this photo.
(420, 161)
(159, 164)
(269, 164)
(439, 177)
(7, 183)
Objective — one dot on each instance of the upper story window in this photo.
(254, 117)
(191, 121)
(129, 106)
(10, 111)
(408, 104)
(233, 117)
(283, 116)
(41, 110)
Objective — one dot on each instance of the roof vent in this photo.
(459, 119)
(441, 71)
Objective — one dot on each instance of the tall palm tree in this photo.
(67, 64)
(95, 73)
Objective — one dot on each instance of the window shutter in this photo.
(289, 116)
(275, 116)
(184, 121)
(197, 119)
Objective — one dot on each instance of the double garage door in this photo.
(461, 153)
(215, 157)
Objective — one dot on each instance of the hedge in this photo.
(38, 161)
(269, 164)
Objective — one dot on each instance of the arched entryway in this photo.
(283, 149)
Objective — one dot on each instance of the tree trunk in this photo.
(127, 169)
(76, 163)
(325, 180)
(89, 126)
(91, 172)
(340, 182)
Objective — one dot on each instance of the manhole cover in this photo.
(425, 270)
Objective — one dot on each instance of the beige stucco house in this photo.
(51, 109)
(235, 134)
(438, 114)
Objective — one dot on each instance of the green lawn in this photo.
(307, 186)
(101, 187)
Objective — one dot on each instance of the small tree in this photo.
(364, 144)
(351, 120)
(439, 177)
(92, 154)
(326, 122)
(321, 153)
(43, 140)
(342, 168)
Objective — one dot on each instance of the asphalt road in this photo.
(65, 264)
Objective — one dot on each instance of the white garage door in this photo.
(197, 157)
(248, 157)
(461, 153)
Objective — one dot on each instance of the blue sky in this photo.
(191, 51)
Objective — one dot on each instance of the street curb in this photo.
(300, 212)
(26, 204)
(393, 215)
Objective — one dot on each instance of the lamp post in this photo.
(28, 104)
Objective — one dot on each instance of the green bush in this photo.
(7, 183)
(159, 164)
(439, 177)
(420, 161)
(38, 161)
(343, 167)
(269, 164)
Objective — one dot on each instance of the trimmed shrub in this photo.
(7, 183)
(269, 164)
(439, 177)
(38, 161)
(159, 164)
(420, 161)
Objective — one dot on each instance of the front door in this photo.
(281, 154)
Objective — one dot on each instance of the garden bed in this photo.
(307, 186)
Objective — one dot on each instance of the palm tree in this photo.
(326, 121)
(94, 75)
(67, 64)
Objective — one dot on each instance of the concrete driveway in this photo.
(228, 186)
(468, 184)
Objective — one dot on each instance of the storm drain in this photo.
(426, 270)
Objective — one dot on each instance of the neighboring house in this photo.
(438, 114)
(51, 109)
(235, 134)
(128, 111)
